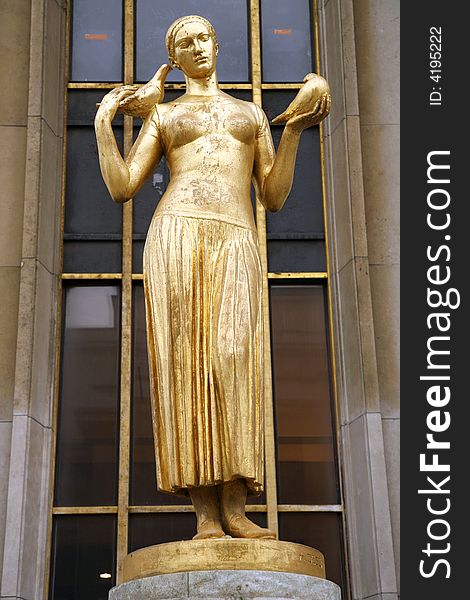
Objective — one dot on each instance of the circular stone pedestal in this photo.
(227, 585)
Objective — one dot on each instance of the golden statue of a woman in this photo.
(202, 272)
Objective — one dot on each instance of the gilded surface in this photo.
(202, 273)
(224, 554)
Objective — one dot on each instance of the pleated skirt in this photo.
(202, 281)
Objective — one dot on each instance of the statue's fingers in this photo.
(162, 73)
(125, 94)
(316, 107)
(122, 89)
(128, 99)
(328, 104)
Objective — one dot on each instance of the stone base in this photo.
(227, 585)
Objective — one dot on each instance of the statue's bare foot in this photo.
(209, 529)
(239, 526)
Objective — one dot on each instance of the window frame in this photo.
(126, 277)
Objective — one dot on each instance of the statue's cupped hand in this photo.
(310, 106)
(141, 102)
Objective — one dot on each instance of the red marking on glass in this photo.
(95, 36)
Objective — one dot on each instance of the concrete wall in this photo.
(377, 29)
(15, 18)
(361, 188)
(32, 61)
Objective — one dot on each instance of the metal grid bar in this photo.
(185, 508)
(313, 275)
(126, 319)
(270, 443)
(91, 275)
(168, 86)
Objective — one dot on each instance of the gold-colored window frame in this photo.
(123, 509)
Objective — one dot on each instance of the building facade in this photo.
(356, 43)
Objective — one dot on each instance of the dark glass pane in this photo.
(96, 40)
(149, 196)
(322, 531)
(230, 20)
(86, 469)
(296, 256)
(137, 256)
(286, 40)
(81, 107)
(306, 445)
(275, 102)
(260, 518)
(82, 559)
(143, 478)
(148, 530)
(89, 209)
(302, 215)
(147, 199)
(99, 256)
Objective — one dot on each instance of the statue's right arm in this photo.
(124, 178)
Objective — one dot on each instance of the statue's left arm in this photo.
(274, 172)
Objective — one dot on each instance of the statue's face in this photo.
(195, 50)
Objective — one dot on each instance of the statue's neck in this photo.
(206, 86)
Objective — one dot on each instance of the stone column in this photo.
(366, 483)
(38, 26)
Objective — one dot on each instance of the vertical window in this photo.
(287, 40)
(96, 31)
(105, 499)
(230, 20)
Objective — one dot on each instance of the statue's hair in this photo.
(176, 26)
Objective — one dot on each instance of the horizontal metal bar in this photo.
(84, 510)
(312, 235)
(281, 86)
(87, 85)
(91, 276)
(185, 508)
(338, 508)
(313, 275)
(92, 237)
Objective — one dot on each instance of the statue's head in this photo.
(192, 46)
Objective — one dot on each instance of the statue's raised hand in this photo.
(310, 106)
(144, 99)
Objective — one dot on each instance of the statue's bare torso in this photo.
(209, 146)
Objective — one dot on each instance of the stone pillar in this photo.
(34, 40)
(360, 320)
(227, 585)
(14, 66)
